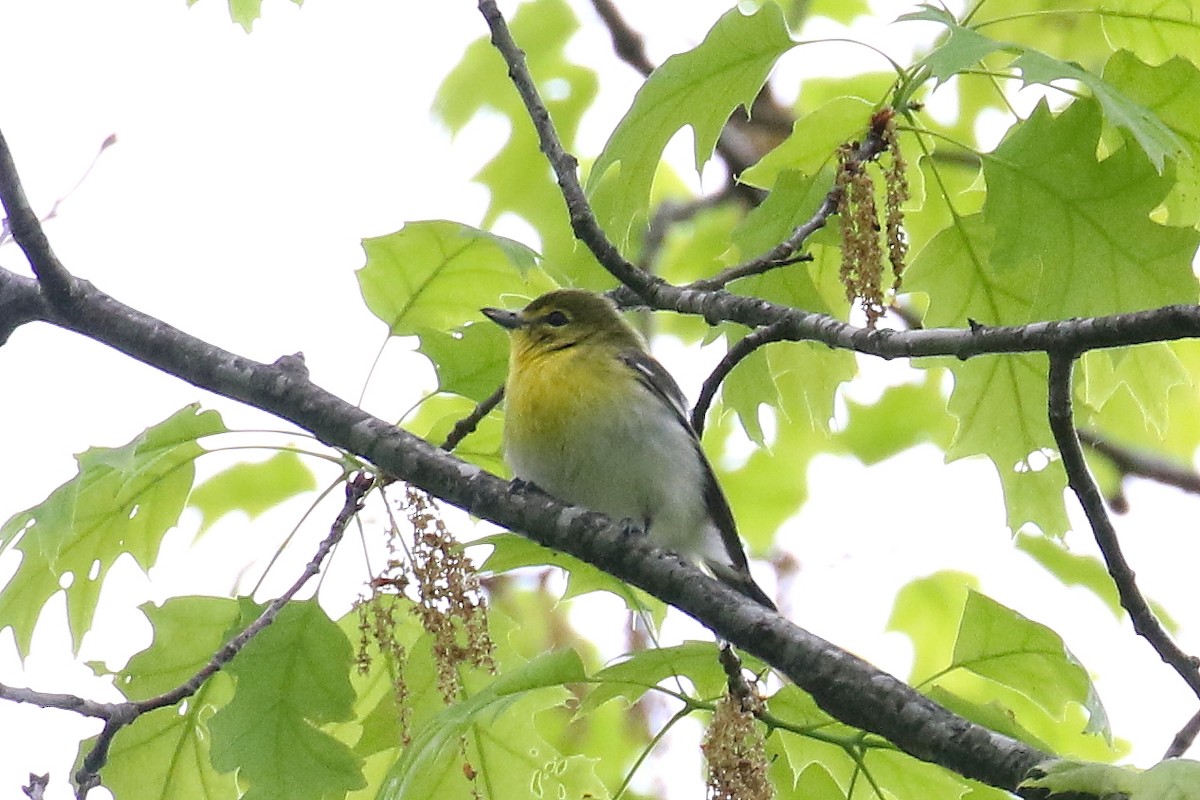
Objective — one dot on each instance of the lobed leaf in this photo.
(1003, 646)
(291, 678)
(123, 500)
(700, 88)
(165, 755)
(437, 275)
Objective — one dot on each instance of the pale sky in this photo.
(247, 170)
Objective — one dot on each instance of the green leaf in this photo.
(794, 197)
(165, 755)
(493, 726)
(1156, 31)
(292, 677)
(439, 414)
(991, 714)
(252, 487)
(815, 783)
(1073, 569)
(510, 552)
(1000, 402)
(905, 416)
(1175, 778)
(437, 275)
(244, 12)
(964, 48)
(1157, 141)
(813, 142)
(1000, 644)
(700, 88)
(638, 673)
(1172, 92)
(927, 610)
(471, 360)
(1149, 374)
(1084, 224)
(1068, 235)
(123, 500)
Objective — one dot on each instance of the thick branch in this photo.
(1080, 479)
(847, 687)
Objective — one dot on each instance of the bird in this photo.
(592, 418)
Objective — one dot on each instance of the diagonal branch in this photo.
(57, 283)
(1184, 739)
(845, 686)
(734, 356)
(583, 220)
(1129, 461)
(1062, 424)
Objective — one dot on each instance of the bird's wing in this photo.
(655, 377)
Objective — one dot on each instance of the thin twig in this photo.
(65, 702)
(466, 426)
(583, 220)
(627, 43)
(1129, 461)
(121, 714)
(108, 142)
(869, 148)
(734, 356)
(735, 676)
(1062, 424)
(1184, 739)
(36, 789)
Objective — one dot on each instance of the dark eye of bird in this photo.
(557, 319)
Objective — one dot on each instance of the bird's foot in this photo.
(522, 485)
(631, 527)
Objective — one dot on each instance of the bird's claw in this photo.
(631, 527)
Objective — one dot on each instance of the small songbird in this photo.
(593, 419)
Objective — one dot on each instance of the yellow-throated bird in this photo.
(592, 418)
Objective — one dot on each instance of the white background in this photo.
(246, 171)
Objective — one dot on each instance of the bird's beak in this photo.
(510, 320)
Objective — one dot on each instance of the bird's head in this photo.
(564, 318)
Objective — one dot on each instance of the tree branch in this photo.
(1062, 424)
(1184, 739)
(583, 221)
(734, 356)
(844, 685)
(466, 426)
(1143, 464)
(27, 231)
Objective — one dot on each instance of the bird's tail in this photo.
(742, 582)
